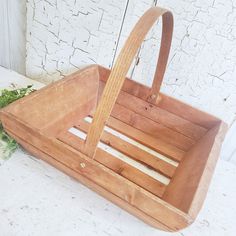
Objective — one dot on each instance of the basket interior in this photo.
(148, 144)
(162, 148)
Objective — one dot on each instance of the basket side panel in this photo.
(188, 187)
(134, 196)
(93, 186)
(165, 102)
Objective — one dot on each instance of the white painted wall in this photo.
(12, 34)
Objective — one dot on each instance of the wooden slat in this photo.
(161, 116)
(187, 112)
(145, 158)
(166, 103)
(152, 128)
(157, 114)
(130, 86)
(154, 143)
(119, 166)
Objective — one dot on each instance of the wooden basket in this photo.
(150, 154)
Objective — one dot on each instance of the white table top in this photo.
(37, 199)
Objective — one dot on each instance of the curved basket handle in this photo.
(121, 67)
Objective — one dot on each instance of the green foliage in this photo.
(9, 96)
(7, 144)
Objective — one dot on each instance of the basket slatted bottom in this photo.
(130, 152)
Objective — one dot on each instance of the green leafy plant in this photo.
(7, 144)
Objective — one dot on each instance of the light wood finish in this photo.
(40, 122)
(153, 111)
(152, 128)
(185, 190)
(121, 67)
(99, 174)
(165, 103)
(118, 166)
(90, 184)
(146, 139)
(181, 109)
(161, 116)
(76, 92)
(132, 151)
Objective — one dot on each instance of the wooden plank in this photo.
(129, 172)
(99, 174)
(53, 102)
(152, 128)
(145, 158)
(187, 112)
(154, 143)
(66, 122)
(161, 116)
(157, 114)
(189, 186)
(167, 103)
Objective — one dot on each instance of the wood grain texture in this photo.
(76, 92)
(121, 168)
(152, 128)
(167, 103)
(146, 139)
(192, 180)
(161, 116)
(132, 151)
(121, 67)
(99, 174)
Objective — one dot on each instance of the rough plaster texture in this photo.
(64, 35)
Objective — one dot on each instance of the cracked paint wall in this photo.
(64, 35)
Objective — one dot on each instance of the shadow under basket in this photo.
(154, 156)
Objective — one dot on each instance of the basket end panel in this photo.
(205, 179)
(186, 111)
(188, 188)
(59, 101)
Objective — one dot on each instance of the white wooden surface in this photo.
(12, 34)
(37, 199)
